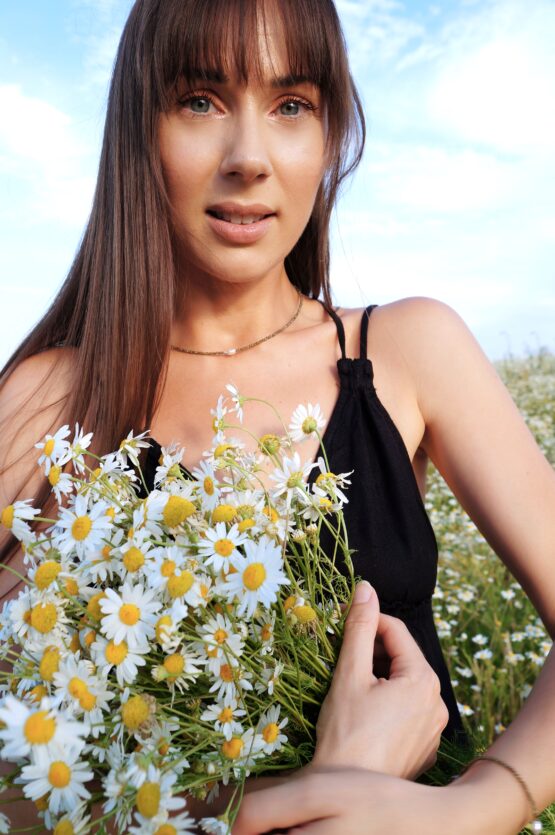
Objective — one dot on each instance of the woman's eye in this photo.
(198, 104)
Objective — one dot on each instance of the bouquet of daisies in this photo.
(168, 643)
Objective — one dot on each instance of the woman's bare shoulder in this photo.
(32, 399)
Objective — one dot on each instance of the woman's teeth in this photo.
(241, 219)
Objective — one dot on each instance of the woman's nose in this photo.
(246, 151)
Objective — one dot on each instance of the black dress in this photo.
(387, 524)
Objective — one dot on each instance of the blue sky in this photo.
(454, 199)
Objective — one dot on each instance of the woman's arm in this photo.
(479, 442)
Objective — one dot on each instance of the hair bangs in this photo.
(222, 39)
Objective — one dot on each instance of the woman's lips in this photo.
(239, 233)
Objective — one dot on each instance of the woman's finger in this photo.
(404, 653)
(288, 805)
(357, 650)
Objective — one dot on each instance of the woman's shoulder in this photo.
(32, 398)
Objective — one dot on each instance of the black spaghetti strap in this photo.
(364, 329)
(339, 326)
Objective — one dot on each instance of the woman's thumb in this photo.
(357, 650)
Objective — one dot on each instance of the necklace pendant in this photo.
(230, 352)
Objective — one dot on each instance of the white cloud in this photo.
(42, 153)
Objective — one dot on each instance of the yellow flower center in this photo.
(226, 672)
(168, 568)
(166, 829)
(111, 512)
(47, 573)
(93, 606)
(133, 559)
(271, 513)
(212, 652)
(270, 732)
(295, 479)
(81, 528)
(220, 635)
(174, 664)
(54, 475)
(289, 602)
(49, 664)
(226, 715)
(64, 827)
(208, 485)
(7, 515)
(129, 614)
(254, 575)
(106, 551)
(59, 775)
(87, 700)
(224, 547)
(309, 425)
(163, 748)
(49, 447)
(269, 444)
(325, 503)
(304, 614)
(42, 803)
(38, 692)
(77, 687)
(223, 513)
(89, 637)
(148, 799)
(116, 653)
(177, 509)
(74, 644)
(71, 587)
(163, 625)
(179, 584)
(325, 477)
(39, 728)
(231, 748)
(44, 617)
(134, 712)
(266, 632)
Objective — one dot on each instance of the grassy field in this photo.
(494, 642)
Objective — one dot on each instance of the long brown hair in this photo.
(117, 302)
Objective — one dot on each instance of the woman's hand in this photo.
(351, 802)
(392, 725)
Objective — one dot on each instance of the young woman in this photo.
(230, 129)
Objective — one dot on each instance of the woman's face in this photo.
(256, 144)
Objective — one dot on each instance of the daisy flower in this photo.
(219, 636)
(80, 529)
(80, 443)
(108, 654)
(270, 677)
(332, 482)
(218, 421)
(163, 564)
(15, 517)
(154, 799)
(62, 483)
(182, 824)
(291, 479)
(215, 826)
(237, 400)
(130, 448)
(229, 680)
(219, 544)
(54, 448)
(168, 464)
(224, 717)
(269, 728)
(28, 729)
(171, 509)
(178, 669)
(257, 576)
(207, 485)
(73, 822)
(129, 616)
(241, 752)
(61, 777)
(306, 420)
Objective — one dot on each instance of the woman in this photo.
(222, 109)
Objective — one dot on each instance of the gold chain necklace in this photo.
(231, 351)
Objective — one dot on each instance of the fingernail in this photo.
(363, 592)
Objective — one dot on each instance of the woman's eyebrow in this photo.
(289, 80)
